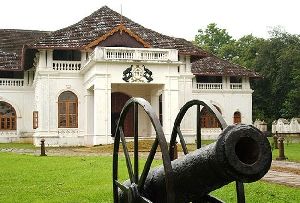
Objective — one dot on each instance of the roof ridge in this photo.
(103, 20)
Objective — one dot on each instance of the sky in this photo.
(177, 18)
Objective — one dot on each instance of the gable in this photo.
(121, 39)
(120, 36)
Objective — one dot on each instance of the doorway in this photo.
(118, 100)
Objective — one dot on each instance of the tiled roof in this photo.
(104, 20)
(91, 29)
(214, 66)
(11, 45)
(9, 61)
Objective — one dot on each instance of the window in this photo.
(8, 119)
(208, 120)
(209, 79)
(237, 117)
(35, 119)
(160, 109)
(67, 110)
(67, 55)
(235, 79)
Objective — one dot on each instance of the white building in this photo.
(285, 126)
(69, 86)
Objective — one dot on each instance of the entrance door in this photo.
(118, 100)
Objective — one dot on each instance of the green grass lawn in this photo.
(28, 178)
(291, 151)
(17, 145)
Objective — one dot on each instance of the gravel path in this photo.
(284, 172)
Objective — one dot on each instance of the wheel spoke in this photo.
(147, 165)
(122, 187)
(198, 127)
(126, 153)
(136, 144)
(182, 142)
(145, 200)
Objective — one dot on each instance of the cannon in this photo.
(241, 153)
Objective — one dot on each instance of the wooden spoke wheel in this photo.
(132, 189)
(176, 131)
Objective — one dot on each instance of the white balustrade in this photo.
(236, 86)
(121, 53)
(66, 65)
(116, 54)
(11, 82)
(153, 55)
(209, 86)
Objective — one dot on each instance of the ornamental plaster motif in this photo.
(8, 133)
(137, 74)
(67, 132)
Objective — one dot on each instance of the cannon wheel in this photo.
(176, 131)
(134, 190)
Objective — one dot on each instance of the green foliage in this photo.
(213, 39)
(277, 59)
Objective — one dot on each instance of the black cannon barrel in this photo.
(241, 153)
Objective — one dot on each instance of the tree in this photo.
(247, 49)
(213, 39)
(277, 59)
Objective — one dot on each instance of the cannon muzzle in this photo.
(241, 153)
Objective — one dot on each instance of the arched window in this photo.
(67, 110)
(237, 117)
(8, 118)
(208, 120)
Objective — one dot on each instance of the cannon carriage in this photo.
(241, 154)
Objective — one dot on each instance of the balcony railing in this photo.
(66, 65)
(11, 82)
(235, 86)
(209, 86)
(121, 53)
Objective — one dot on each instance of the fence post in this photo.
(281, 149)
(275, 138)
(43, 151)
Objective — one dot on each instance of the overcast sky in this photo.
(178, 18)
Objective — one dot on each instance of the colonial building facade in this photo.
(69, 86)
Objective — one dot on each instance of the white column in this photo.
(102, 111)
(188, 64)
(170, 105)
(49, 59)
(185, 92)
(245, 83)
(182, 66)
(42, 59)
(89, 117)
(155, 104)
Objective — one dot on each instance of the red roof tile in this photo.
(215, 66)
(103, 21)
(9, 61)
(11, 45)
(93, 28)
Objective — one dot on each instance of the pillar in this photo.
(170, 105)
(102, 111)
